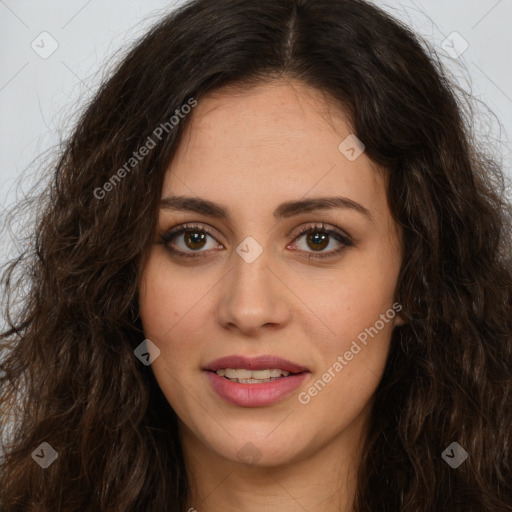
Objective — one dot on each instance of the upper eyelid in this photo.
(179, 229)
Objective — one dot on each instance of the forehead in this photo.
(273, 142)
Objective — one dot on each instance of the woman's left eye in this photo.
(194, 238)
(320, 237)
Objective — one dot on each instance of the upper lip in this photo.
(262, 362)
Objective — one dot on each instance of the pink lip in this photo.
(262, 362)
(255, 395)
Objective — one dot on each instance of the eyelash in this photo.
(168, 236)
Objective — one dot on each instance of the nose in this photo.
(253, 296)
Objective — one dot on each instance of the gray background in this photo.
(40, 97)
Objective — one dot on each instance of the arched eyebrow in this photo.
(284, 210)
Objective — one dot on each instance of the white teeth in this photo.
(243, 375)
(262, 374)
(238, 374)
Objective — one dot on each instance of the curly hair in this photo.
(68, 372)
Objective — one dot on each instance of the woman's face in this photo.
(259, 166)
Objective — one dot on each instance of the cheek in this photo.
(353, 318)
(342, 304)
(352, 357)
(169, 310)
(166, 297)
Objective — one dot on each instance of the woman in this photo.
(273, 273)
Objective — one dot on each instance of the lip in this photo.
(262, 362)
(255, 395)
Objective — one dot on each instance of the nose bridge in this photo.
(250, 274)
(251, 297)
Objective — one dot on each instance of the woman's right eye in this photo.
(193, 239)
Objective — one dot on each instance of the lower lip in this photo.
(255, 395)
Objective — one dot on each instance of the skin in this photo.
(251, 150)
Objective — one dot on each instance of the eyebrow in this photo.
(284, 210)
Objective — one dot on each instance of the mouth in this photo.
(255, 381)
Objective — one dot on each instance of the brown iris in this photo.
(195, 238)
(320, 240)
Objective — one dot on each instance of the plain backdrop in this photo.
(53, 53)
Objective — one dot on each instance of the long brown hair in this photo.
(69, 376)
